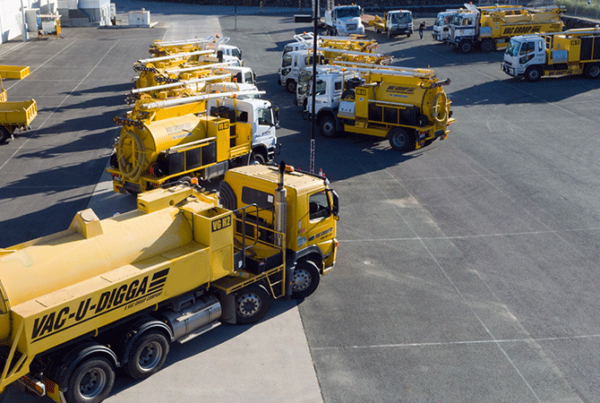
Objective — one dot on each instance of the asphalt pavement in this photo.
(467, 270)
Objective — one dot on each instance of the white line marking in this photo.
(63, 101)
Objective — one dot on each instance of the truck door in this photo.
(320, 223)
(264, 122)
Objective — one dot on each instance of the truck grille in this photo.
(508, 63)
(351, 27)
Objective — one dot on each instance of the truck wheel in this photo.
(147, 355)
(487, 46)
(408, 35)
(389, 34)
(327, 126)
(290, 85)
(257, 158)
(401, 141)
(465, 47)
(91, 381)
(305, 279)
(533, 73)
(4, 135)
(251, 304)
(590, 71)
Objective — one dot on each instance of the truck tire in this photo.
(305, 279)
(91, 382)
(290, 85)
(251, 304)
(4, 135)
(401, 140)
(389, 34)
(409, 34)
(148, 355)
(487, 46)
(257, 158)
(590, 71)
(533, 73)
(465, 47)
(327, 126)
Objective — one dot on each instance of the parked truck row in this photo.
(191, 118)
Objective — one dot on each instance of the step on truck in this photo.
(180, 139)
(408, 107)
(572, 52)
(490, 28)
(108, 296)
(396, 22)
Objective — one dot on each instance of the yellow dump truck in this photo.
(490, 28)
(406, 106)
(104, 295)
(15, 115)
(576, 51)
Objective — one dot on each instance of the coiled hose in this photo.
(440, 118)
(131, 169)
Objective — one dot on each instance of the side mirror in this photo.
(335, 209)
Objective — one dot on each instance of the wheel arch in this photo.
(328, 112)
(75, 357)
(140, 330)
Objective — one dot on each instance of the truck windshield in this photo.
(439, 21)
(348, 12)
(286, 61)
(321, 87)
(265, 117)
(513, 48)
(401, 18)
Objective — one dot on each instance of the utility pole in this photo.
(25, 33)
(314, 87)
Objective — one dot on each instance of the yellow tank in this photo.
(414, 95)
(88, 248)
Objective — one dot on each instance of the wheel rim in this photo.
(248, 304)
(328, 127)
(150, 356)
(594, 71)
(301, 280)
(92, 383)
(534, 74)
(399, 140)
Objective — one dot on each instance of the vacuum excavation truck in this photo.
(105, 295)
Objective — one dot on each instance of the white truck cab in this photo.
(257, 115)
(399, 22)
(344, 20)
(441, 26)
(243, 75)
(525, 51)
(330, 88)
(292, 65)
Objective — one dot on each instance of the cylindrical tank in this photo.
(428, 97)
(138, 148)
(56, 261)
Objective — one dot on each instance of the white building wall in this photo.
(11, 16)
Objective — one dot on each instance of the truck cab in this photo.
(399, 22)
(252, 115)
(522, 53)
(292, 64)
(344, 20)
(441, 26)
(243, 75)
(330, 88)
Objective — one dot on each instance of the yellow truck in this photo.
(576, 51)
(113, 294)
(490, 28)
(406, 106)
(15, 115)
(172, 140)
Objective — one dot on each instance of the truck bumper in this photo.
(511, 71)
